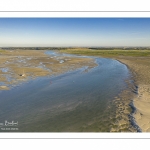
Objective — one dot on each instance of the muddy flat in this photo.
(20, 65)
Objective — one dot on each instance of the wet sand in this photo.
(140, 67)
(19, 65)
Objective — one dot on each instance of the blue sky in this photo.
(74, 32)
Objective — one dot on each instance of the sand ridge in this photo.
(140, 68)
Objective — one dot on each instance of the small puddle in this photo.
(4, 69)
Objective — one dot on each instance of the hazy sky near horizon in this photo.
(74, 32)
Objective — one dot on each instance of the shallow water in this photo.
(4, 69)
(56, 53)
(77, 101)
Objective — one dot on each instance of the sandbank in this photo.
(140, 67)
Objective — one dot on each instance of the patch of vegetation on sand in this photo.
(2, 51)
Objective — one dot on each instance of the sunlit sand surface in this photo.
(140, 68)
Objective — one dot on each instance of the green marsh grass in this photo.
(108, 53)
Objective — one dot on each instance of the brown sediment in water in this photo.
(35, 63)
(140, 67)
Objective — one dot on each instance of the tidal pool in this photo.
(77, 101)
